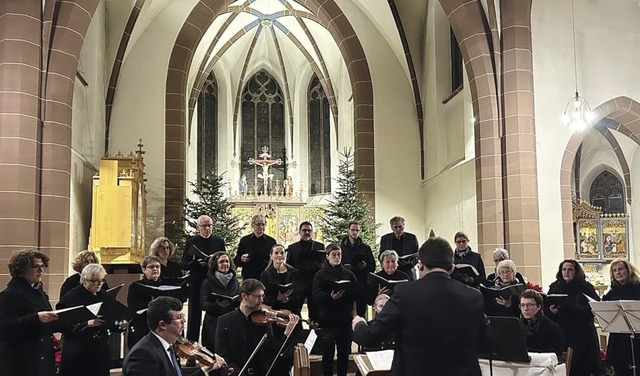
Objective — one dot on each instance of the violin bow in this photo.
(253, 354)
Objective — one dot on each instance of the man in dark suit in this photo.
(403, 243)
(437, 320)
(307, 255)
(196, 263)
(153, 355)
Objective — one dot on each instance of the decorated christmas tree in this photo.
(346, 205)
(209, 200)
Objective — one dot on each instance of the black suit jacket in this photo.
(437, 322)
(409, 244)
(148, 358)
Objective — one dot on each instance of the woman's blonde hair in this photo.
(634, 278)
(82, 259)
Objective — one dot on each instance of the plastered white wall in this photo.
(607, 47)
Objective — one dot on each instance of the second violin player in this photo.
(237, 336)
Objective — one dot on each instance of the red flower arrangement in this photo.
(57, 350)
(533, 286)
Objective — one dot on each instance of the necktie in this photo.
(174, 361)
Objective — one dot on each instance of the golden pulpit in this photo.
(118, 213)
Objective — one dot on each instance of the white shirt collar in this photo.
(165, 344)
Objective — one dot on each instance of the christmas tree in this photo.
(346, 205)
(209, 201)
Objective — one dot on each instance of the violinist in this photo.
(280, 273)
(237, 336)
(221, 279)
(26, 342)
(154, 354)
(334, 309)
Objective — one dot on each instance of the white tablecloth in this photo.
(542, 364)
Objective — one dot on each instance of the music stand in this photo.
(506, 342)
(622, 316)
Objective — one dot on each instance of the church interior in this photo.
(453, 110)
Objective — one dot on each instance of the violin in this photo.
(266, 315)
(193, 350)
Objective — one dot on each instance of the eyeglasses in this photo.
(261, 296)
(461, 241)
(97, 281)
(155, 266)
(180, 317)
(505, 272)
(527, 305)
(39, 267)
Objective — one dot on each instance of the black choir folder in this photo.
(376, 280)
(468, 270)
(335, 285)
(197, 253)
(148, 292)
(559, 300)
(502, 292)
(113, 292)
(110, 311)
(176, 281)
(297, 287)
(231, 299)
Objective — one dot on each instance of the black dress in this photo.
(619, 345)
(137, 300)
(26, 345)
(212, 309)
(85, 351)
(576, 320)
(171, 271)
(271, 278)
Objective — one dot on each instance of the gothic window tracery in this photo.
(262, 125)
(319, 139)
(207, 149)
(607, 192)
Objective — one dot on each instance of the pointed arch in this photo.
(319, 115)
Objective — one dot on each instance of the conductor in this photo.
(432, 318)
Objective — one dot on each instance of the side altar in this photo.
(280, 202)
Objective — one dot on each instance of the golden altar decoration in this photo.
(118, 212)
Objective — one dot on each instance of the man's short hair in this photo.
(395, 219)
(353, 223)
(305, 223)
(248, 286)
(436, 253)
(255, 218)
(159, 310)
(532, 294)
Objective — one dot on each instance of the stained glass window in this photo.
(207, 127)
(319, 140)
(607, 192)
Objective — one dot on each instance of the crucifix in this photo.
(265, 162)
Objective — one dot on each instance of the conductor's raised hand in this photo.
(293, 321)
(337, 295)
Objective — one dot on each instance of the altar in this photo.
(281, 202)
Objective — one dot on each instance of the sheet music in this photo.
(94, 308)
(311, 340)
(632, 311)
(380, 360)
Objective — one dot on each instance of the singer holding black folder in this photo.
(277, 275)
(81, 260)
(86, 345)
(357, 257)
(221, 279)
(335, 305)
(26, 318)
(139, 298)
(253, 249)
(195, 259)
(389, 272)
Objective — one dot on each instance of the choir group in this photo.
(250, 324)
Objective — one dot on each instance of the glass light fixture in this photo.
(577, 113)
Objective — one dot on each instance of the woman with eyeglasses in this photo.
(498, 306)
(541, 334)
(81, 260)
(465, 255)
(85, 346)
(625, 285)
(139, 297)
(221, 279)
(575, 317)
(163, 248)
(26, 319)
